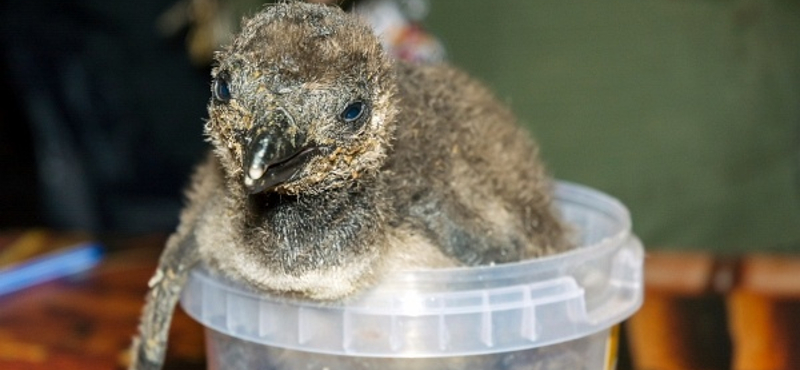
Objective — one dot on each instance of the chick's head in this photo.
(301, 101)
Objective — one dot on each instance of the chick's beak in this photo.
(273, 155)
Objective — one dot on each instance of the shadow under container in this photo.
(556, 312)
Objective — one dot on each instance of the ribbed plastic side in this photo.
(454, 312)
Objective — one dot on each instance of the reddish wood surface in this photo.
(705, 312)
(87, 321)
(700, 312)
(764, 311)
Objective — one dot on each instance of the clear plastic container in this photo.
(556, 312)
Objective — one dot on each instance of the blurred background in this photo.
(687, 111)
(102, 116)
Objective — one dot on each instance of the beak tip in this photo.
(255, 172)
(252, 186)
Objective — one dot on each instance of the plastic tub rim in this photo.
(600, 249)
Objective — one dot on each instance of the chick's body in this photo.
(460, 185)
(334, 165)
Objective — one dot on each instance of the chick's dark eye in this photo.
(353, 111)
(220, 89)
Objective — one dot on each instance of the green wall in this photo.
(687, 111)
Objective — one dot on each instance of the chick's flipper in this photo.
(149, 348)
(179, 256)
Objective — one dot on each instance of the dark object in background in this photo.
(114, 113)
(18, 202)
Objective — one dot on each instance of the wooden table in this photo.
(709, 312)
(87, 321)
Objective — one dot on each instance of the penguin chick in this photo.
(333, 165)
